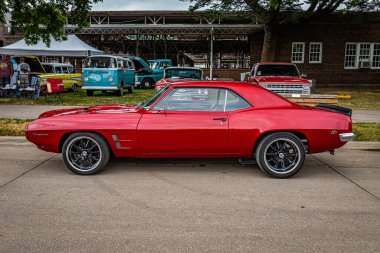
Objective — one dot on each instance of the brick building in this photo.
(335, 51)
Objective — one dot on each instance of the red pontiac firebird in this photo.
(195, 119)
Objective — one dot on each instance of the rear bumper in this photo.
(100, 88)
(345, 137)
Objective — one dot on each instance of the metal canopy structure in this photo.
(166, 29)
(172, 34)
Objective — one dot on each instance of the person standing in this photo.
(6, 70)
(23, 70)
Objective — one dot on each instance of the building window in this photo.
(362, 55)
(298, 49)
(350, 58)
(376, 56)
(315, 52)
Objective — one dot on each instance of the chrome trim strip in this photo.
(345, 137)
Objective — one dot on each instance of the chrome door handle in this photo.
(222, 119)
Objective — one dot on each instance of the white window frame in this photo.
(320, 52)
(372, 54)
(303, 52)
(357, 56)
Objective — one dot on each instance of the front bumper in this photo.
(345, 137)
(99, 88)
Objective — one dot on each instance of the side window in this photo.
(235, 102)
(131, 65)
(193, 99)
(120, 64)
(65, 70)
(58, 70)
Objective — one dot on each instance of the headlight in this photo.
(110, 78)
(306, 86)
(85, 78)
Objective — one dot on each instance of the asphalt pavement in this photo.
(33, 111)
(188, 205)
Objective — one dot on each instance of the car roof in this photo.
(56, 64)
(109, 56)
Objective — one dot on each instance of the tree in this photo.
(43, 19)
(274, 14)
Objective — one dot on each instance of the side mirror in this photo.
(303, 75)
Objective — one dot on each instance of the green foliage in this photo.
(43, 19)
(285, 11)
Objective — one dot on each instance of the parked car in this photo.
(146, 76)
(195, 119)
(108, 73)
(279, 77)
(179, 74)
(70, 80)
(160, 64)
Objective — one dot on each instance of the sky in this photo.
(128, 5)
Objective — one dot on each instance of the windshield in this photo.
(100, 62)
(147, 103)
(184, 73)
(154, 65)
(48, 68)
(277, 70)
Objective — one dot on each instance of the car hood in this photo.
(282, 79)
(106, 109)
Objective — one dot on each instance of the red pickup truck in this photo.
(279, 77)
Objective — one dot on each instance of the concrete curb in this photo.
(360, 145)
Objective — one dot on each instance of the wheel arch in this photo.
(299, 134)
(68, 134)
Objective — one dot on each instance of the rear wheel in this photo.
(280, 155)
(131, 89)
(85, 153)
(74, 87)
(90, 92)
(147, 83)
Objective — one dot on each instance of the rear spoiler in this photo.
(335, 108)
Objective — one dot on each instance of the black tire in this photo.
(74, 87)
(280, 155)
(120, 92)
(90, 92)
(85, 153)
(147, 83)
(131, 89)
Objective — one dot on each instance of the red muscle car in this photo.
(195, 119)
(279, 77)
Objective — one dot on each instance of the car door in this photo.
(187, 122)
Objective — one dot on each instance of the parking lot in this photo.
(189, 205)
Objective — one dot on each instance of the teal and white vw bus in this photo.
(108, 73)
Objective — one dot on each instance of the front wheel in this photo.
(147, 83)
(85, 153)
(280, 155)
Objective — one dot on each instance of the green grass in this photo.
(12, 127)
(367, 131)
(80, 98)
(362, 98)
(364, 131)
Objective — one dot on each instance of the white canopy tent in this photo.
(73, 46)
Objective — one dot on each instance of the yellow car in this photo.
(62, 71)
(70, 79)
